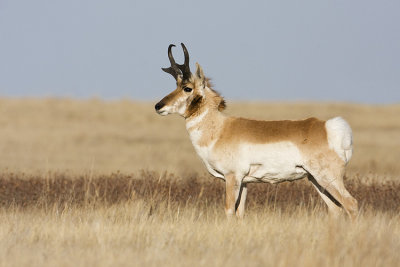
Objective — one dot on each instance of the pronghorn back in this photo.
(309, 132)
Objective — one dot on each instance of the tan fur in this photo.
(220, 141)
(306, 134)
(211, 120)
(171, 98)
(218, 99)
(214, 98)
(232, 192)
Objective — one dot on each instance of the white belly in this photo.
(273, 163)
(264, 173)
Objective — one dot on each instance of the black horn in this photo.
(185, 69)
(176, 69)
(173, 70)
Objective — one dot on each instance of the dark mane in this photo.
(218, 98)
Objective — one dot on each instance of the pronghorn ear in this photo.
(200, 74)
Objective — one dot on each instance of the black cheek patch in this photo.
(194, 105)
(222, 105)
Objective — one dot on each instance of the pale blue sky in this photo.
(254, 50)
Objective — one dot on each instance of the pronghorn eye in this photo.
(187, 89)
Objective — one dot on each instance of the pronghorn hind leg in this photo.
(334, 193)
(241, 201)
(334, 206)
(349, 203)
(233, 186)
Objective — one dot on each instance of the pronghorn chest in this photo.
(203, 142)
(203, 131)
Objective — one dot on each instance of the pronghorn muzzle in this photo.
(159, 106)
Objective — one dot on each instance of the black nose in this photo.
(158, 106)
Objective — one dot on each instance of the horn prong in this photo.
(171, 71)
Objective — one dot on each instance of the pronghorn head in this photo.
(189, 94)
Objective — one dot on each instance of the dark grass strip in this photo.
(59, 189)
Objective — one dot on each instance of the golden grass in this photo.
(121, 236)
(74, 136)
(153, 220)
(72, 193)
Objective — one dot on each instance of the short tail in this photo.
(340, 137)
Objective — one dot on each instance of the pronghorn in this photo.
(242, 151)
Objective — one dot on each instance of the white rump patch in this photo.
(340, 137)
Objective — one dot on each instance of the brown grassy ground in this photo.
(151, 219)
(72, 193)
(60, 190)
(62, 135)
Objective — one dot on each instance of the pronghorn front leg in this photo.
(240, 204)
(233, 186)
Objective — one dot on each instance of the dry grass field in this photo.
(110, 183)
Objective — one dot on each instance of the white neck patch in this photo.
(192, 122)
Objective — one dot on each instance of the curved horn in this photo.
(173, 70)
(170, 56)
(185, 52)
(185, 69)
